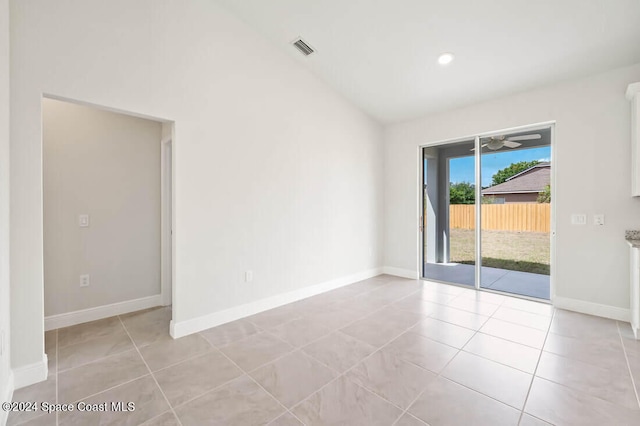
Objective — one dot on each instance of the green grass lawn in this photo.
(515, 251)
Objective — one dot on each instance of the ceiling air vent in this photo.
(303, 47)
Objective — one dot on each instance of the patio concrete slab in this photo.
(524, 283)
(515, 282)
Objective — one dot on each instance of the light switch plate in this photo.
(598, 219)
(83, 220)
(85, 280)
(578, 219)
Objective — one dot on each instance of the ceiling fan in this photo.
(496, 142)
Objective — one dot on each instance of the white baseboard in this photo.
(31, 373)
(584, 307)
(399, 272)
(184, 328)
(7, 396)
(85, 315)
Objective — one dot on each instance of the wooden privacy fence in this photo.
(503, 217)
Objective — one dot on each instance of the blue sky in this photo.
(462, 169)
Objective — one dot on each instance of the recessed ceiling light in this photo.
(445, 58)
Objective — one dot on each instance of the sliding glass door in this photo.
(516, 212)
(487, 212)
(448, 213)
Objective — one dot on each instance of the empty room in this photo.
(246, 212)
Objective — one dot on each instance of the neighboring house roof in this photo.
(533, 179)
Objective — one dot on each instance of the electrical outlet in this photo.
(85, 280)
(248, 276)
(83, 221)
(598, 219)
(578, 219)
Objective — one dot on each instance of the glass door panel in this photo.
(448, 216)
(515, 212)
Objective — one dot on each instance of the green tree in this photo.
(545, 196)
(511, 170)
(462, 193)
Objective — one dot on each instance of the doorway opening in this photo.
(487, 211)
(108, 212)
(166, 279)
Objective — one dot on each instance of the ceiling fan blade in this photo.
(525, 137)
(482, 146)
(511, 144)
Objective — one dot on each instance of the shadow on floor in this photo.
(513, 265)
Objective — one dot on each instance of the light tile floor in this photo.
(384, 351)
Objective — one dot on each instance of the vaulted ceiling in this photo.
(382, 54)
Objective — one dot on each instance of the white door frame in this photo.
(476, 138)
(166, 221)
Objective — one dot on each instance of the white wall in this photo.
(5, 367)
(593, 176)
(106, 165)
(274, 172)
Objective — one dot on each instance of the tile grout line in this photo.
(110, 356)
(333, 370)
(519, 325)
(102, 358)
(90, 339)
(253, 380)
(499, 362)
(626, 358)
(150, 372)
(355, 297)
(492, 315)
(219, 348)
(479, 331)
(300, 348)
(580, 391)
(146, 422)
(360, 362)
(189, 358)
(391, 340)
(333, 303)
(461, 350)
(125, 382)
(295, 349)
(275, 399)
(438, 375)
(110, 388)
(405, 411)
(205, 392)
(533, 376)
(262, 329)
(349, 369)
